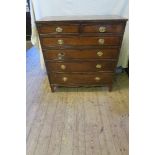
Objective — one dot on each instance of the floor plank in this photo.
(54, 146)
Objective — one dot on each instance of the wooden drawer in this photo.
(102, 28)
(81, 54)
(58, 29)
(93, 78)
(81, 41)
(79, 66)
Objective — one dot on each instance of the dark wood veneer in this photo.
(87, 79)
(67, 54)
(81, 41)
(81, 66)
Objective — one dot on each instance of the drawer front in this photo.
(91, 66)
(81, 54)
(103, 28)
(58, 29)
(81, 41)
(93, 78)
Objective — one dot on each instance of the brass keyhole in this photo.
(97, 78)
(58, 29)
(63, 67)
(98, 66)
(102, 29)
(64, 79)
(61, 55)
(60, 42)
(99, 53)
(101, 41)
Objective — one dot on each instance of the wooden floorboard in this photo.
(75, 121)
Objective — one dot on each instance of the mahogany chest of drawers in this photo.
(81, 51)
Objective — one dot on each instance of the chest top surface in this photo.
(83, 18)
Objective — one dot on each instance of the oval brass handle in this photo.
(63, 67)
(64, 79)
(61, 55)
(99, 53)
(60, 41)
(102, 29)
(97, 78)
(58, 29)
(101, 41)
(98, 66)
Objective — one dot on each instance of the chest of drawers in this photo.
(81, 51)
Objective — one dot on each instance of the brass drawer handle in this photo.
(60, 41)
(58, 29)
(97, 78)
(63, 67)
(64, 79)
(99, 53)
(61, 55)
(98, 66)
(102, 29)
(101, 41)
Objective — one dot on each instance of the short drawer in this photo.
(103, 28)
(79, 66)
(58, 29)
(93, 78)
(81, 54)
(81, 41)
